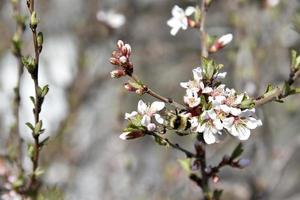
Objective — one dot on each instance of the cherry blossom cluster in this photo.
(215, 109)
(120, 58)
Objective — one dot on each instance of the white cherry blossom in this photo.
(179, 19)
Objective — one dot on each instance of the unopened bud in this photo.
(114, 61)
(33, 20)
(128, 47)
(123, 60)
(132, 135)
(221, 42)
(120, 44)
(40, 41)
(117, 73)
(129, 87)
(141, 91)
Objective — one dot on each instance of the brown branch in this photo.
(278, 93)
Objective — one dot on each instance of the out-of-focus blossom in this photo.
(272, 3)
(111, 18)
(11, 195)
(180, 18)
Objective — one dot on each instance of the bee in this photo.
(179, 121)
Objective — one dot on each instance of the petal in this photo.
(201, 128)
(234, 131)
(177, 12)
(209, 137)
(157, 106)
(235, 111)
(252, 123)
(158, 118)
(244, 133)
(173, 22)
(184, 84)
(146, 120)
(142, 107)
(239, 99)
(207, 90)
(228, 122)
(225, 108)
(218, 124)
(212, 114)
(189, 10)
(197, 73)
(130, 115)
(151, 127)
(221, 75)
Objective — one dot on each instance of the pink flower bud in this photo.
(128, 47)
(132, 135)
(117, 73)
(215, 179)
(114, 61)
(129, 87)
(120, 44)
(221, 42)
(123, 60)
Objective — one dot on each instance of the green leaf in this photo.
(197, 15)
(217, 194)
(32, 99)
(45, 141)
(161, 141)
(185, 164)
(247, 103)
(30, 125)
(45, 91)
(237, 151)
(38, 128)
(295, 60)
(30, 150)
(39, 171)
(286, 90)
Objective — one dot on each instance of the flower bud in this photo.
(129, 87)
(33, 20)
(128, 47)
(114, 61)
(123, 60)
(120, 44)
(132, 135)
(117, 73)
(141, 91)
(221, 42)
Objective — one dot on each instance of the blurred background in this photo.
(83, 113)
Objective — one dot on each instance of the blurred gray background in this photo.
(84, 111)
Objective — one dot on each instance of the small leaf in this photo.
(30, 126)
(45, 141)
(286, 90)
(30, 150)
(39, 171)
(247, 103)
(161, 141)
(38, 127)
(32, 99)
(45, 91)
(217, 194)
(237, 151)
(185, 164)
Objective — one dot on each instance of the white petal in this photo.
(157, 106)
(218, 124)
(197, 73)
(225, 39)
(252, 123)
(239, 99)
(184, 84)
(209, 137)
(158, 118)
(189, 10)
(130, 115)
(225, 108)
(212, 114)
(151, 127)
(234, 131)
(177, 12)
(142, 107)
(123, 136)
(201, 128)
(235, 111)
(207, 90)
(146, 120)
(174, 31)
(228, 122)
(222, 75)
(244, 133)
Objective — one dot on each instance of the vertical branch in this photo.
(15, 138)
(204, 51)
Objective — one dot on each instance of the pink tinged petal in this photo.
(142, 107)
(220, 99)
(157, 106)
(158, 118)
(235, 111)
(218, 124)
(151, 127)
(209, 137)
(244, 133)
(189, 10)
(225, 39)
(146, 120)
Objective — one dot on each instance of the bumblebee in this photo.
(179, 121)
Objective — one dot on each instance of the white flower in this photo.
(191, 98)
(148, 112)
(211, 127)
(240, 126)
(11, 195)
(111, 18)
(179, 19)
